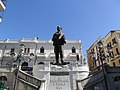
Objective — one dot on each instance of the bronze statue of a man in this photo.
(58, 41)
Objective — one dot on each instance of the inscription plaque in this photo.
(59, 82)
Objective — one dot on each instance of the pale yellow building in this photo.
(112, 39)
(111, 51)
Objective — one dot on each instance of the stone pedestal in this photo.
(59, 78)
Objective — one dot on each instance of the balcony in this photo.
(26, 55)
(9, 55)
(114, 58)
(2, 6)
(41, 55)
(117, 55)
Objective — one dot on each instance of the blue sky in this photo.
(83, 20)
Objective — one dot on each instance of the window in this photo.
(119, 62)
(27, 50)
(31, 54)
(111, 54)
(73, 50)
(92, 51)
(77, 57)
(42, 50)
(3, 78)
(118, 34)
(117, 78)
(109, 44)
(117, 51)
(114, 41)
(114, 64)
(12, 50)
(22, 45)
(24, 66)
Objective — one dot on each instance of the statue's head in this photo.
(59, 28)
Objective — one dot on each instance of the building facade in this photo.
(93, 55)
(31, 61)
(112, 39)
(111, 51)
(104, 63)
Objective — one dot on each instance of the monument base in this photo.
(59, 78)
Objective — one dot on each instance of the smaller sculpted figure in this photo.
(58, 42)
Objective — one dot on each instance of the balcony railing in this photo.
(41, 55)
(116, 56)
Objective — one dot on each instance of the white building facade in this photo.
(34, 57)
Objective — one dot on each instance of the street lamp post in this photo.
(102, 58)
(19, 56)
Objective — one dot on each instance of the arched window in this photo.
(12, 50)
(31, 54)
(3, 78)
(27, 50)
(22, 45)
(24, 66)
(73, 50)
(42, 50)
